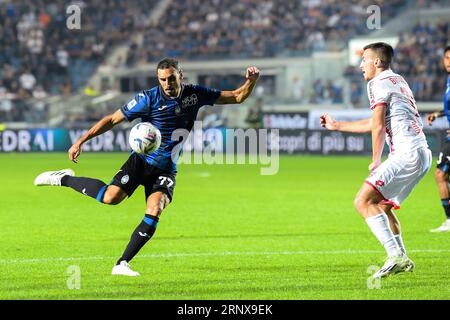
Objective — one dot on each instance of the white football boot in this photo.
(123, 269)
(409, 265)
(52, 178)
(394, 265)
(445, 227)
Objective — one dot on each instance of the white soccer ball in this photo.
(144, 138)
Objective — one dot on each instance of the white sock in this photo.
(379, 225)
(398, 238)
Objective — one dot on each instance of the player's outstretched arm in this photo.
(243, 92)
(105, 124)
(359, 126)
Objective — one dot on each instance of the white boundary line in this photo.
(209, 254)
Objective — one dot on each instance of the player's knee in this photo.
(156, 206)
(112, 198)
(154, 210)
(360, 204)
(357, 204)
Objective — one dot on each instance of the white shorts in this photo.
(396, 177)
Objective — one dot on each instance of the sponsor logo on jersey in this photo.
(131, 104)
(189, 101)
(379, 183)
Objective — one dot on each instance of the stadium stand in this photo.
(254, 28)
(418, 58)
(40, 56)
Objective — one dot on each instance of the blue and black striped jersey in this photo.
(168, 115)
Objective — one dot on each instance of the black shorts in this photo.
(136, 171)
(443, 162)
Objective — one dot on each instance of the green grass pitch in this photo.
(230, 233)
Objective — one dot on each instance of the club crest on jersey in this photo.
(189, 101)
(124, 179)
(177, 110)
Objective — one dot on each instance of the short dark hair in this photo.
(447, 48)
(166, 63)
(383, 50)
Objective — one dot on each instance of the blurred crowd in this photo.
(196, 29)
(40, 55)
(418, 57)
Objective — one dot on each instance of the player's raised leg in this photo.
(91, 187)
(52, 178)
(156, 203)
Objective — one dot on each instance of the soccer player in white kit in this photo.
(395, 119)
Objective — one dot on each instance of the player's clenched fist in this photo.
(252, 73)
(326, 121)
(430, 118)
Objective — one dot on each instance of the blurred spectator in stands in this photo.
(318, 92)
(298, 90)
(90, 91)
(39, 92)
(211, 117)
(27, 80)
(5, 103)
(62, 57)
(254, 117)
(356, 94)
(336, 89)
(65, 88)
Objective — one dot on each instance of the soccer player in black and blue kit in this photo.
(443, 163)
(170, 106)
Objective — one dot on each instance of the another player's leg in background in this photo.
(156, 203)
(367, 203)
(441, 177)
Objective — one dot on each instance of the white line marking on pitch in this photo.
(210, 254)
